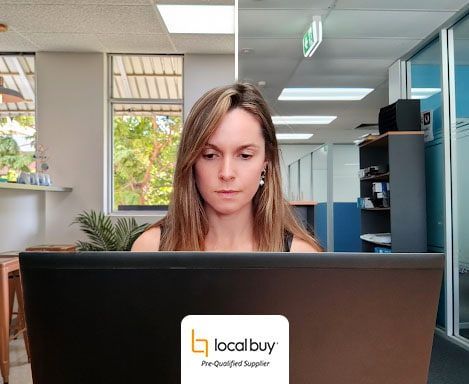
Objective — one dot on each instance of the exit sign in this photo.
(313, 37)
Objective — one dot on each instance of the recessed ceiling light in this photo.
(198, 18)
(423, 93)
(324, 93)
(290, 120)
(293, 136)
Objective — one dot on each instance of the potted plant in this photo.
(105, 236)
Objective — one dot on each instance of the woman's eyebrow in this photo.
(241, 147)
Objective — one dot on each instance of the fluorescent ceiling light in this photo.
(198, 18)
(324, 93)
(312, 37)
(293, 136)
(290, 120)
(423, 93)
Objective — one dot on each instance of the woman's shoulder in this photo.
(148, 241)
(299, 245)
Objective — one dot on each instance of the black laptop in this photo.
(170, 317)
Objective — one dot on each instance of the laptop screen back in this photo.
(115, 317)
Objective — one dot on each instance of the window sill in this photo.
(152, 214)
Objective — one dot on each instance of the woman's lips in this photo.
(227, 193)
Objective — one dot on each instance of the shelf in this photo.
(382, 140)
(31, 187)
(382, 177)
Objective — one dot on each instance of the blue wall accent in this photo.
(320, 223)
(347, 227)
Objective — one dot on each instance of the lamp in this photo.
(8, 95)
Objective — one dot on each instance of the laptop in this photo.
(329, 318)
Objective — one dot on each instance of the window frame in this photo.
(34, 91)
(109, 136)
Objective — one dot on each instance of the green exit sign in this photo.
(312, 38)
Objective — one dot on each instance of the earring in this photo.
(262, 180)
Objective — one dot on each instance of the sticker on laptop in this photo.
(241, 349)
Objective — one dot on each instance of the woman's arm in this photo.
(299, 245)
(148, 241)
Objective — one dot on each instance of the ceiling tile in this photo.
(66, 42)
(282, 4)
(220, 44)
(77, 2)
(386, 24)
(274, 23)
(272, 47)
(363, 66)
(82, 19)
(145, 43)
(195, 2)
(440, 5)
(13, 42)
(373, 48)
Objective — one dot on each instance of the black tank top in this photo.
(287, 240)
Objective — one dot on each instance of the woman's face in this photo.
(228, 171)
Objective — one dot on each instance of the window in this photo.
(146, 108)
(17, 119)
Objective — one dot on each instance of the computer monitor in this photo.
(116, 317)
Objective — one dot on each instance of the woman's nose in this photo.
(227, 171)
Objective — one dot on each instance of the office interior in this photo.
(87, 69)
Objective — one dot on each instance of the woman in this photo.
(227, 193)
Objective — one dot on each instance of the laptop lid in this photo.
(115, 317)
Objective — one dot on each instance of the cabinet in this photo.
(405, 218)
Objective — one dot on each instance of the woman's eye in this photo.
(209, 156)
(246, 156)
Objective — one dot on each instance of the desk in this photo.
(9, 265)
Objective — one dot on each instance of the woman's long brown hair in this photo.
(186, 225)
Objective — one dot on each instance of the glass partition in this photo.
(425, 80)
(293, 181)
(306, 192)
(459, 162)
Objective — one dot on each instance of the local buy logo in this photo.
(246, 345)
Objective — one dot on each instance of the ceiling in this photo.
(119, 26)
(361, 39)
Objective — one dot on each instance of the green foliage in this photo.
(25, 121)
(144, 159)
(104, 236)
(11, 157)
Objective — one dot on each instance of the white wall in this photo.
(346, 186)
(290, 153)
(71, 120)
(22, 218)
(397, 84)
(204, 72)
(71, 124)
